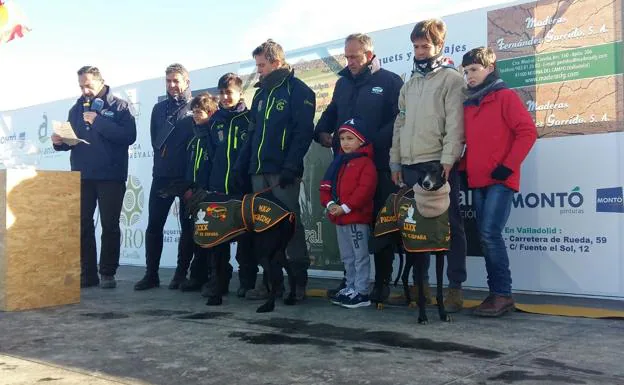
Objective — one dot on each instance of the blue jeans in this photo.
(493, 204)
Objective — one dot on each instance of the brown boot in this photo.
(495, 306)
(454, 301)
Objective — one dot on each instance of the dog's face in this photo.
(432, 176)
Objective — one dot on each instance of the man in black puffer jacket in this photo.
(171, 129)
(105, 122)
(370, 93)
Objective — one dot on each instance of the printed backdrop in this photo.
(565, 61)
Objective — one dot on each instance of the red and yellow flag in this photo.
(12, 22)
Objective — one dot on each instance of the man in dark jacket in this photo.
(280, 133)
(171, 129)
(106, 124)
(370, 93)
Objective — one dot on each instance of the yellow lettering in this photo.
(409, 227)
(418, 237)
(262, 218)
(206, 233)
(200, 227)
(264, 208)
(387, 219)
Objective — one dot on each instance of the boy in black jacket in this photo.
(199, 165)
(228, 133)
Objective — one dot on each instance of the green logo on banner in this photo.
(573, 64)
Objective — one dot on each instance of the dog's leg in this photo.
(439, 290)
(267, 278)
(409, 265)
(422, 300)
(292, 283)
(216, 278)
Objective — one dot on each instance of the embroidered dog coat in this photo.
(221, 218)
(418, 233)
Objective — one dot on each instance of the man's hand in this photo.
(325, 139)
(397, 178)
(447, 170)
(89, 116)
(335, 210)
(56, 139)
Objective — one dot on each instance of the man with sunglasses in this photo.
(171, 129)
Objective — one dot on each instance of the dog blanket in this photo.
(431, 204)
(220, 218)
(418, 233)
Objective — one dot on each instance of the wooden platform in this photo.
(39, 238)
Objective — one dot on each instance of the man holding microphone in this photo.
(106, 124)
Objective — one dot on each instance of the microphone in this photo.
(97, 105)
(86, 106)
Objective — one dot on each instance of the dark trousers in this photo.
(384, 257)
(456, 270)
(108, 196)
(158, 211)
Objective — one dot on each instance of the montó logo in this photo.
(567, 202)
(610, 200)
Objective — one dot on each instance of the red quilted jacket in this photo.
(357, 181)
(499, 131)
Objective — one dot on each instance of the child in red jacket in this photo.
(499, 135)
(347, 192)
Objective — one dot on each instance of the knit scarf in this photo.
(491, 83)
(330, 179)
(425, 66)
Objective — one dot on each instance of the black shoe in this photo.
(214, 301)
(191, 284)
(147, 282)
(206, 291)
(332, 292)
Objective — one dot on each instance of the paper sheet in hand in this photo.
(66, 132)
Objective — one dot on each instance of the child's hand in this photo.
(335, 210)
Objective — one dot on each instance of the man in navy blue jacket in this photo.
(280, 133)
(171, 129)
(367, 91)
(105, 122)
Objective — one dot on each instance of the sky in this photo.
(131, 40)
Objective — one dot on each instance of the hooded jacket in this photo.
(499, 131)
(110, 135)
(354, 186)
(371, 95)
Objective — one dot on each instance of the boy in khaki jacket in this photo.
(430, 127)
